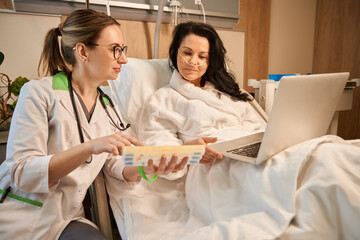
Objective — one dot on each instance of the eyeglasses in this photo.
(200, 61)
(117, 50)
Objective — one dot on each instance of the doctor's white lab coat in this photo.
(44, 124)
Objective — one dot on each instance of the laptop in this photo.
(303, 108)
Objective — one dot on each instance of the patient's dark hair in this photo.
(216, 72)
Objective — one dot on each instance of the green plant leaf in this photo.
(1, 58)
(17, 84)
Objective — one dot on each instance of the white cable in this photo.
(108, 8)
(182, 11)
(203, 11)
(198, 2)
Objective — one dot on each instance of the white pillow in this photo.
(137, 81)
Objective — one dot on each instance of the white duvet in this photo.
(308, 191)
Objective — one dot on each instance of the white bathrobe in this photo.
(180, 112)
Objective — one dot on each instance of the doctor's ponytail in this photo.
(51, 61)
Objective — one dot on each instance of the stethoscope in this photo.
(102, 96)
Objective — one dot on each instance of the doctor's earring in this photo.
(85, 59)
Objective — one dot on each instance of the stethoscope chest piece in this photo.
(102, 97)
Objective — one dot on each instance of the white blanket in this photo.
(308, 191)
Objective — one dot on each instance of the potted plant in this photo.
(12, 89)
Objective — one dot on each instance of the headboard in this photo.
(140, 78)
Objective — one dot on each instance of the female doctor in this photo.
(62, 135)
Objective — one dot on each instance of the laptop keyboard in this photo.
(248, 150)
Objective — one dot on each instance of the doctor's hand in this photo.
(112, 143)
(163, 168)
(210, 154)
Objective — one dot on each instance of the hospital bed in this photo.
(136, 83)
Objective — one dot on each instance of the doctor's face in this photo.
(107, 54)
(193, 58)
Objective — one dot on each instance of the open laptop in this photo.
(303, 108)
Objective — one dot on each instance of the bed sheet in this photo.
(308, 191)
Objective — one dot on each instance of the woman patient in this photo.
(201, 100)
(202, 97)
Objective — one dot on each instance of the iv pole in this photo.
(157, 28)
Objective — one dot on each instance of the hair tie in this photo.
(58, 31)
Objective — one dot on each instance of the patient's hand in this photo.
(163, 168)
(131, 173)
(210, 154)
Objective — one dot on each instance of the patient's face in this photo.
(193, 58)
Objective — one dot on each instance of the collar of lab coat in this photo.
(60, 82)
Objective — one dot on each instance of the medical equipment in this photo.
(188, 58)
(198, 2)
(175, 15)
(103, 99)
(104, 96)
(157, 28)
(175, 12)
(176, 7)
(139, 155)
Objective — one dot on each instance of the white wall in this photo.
(292, 34)
(234, 43)
(21, 41)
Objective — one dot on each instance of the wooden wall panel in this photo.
(139, 37)
(337, 49)
(337, 40)
(256, 23)
(6, 4)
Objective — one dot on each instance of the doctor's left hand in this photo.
(112, 143)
